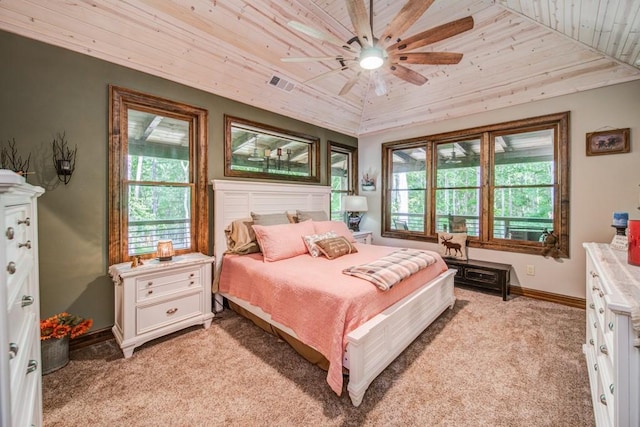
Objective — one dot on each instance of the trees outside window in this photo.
(157, 176)
(504, 185)
(343, 172)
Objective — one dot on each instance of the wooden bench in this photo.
(482, 274)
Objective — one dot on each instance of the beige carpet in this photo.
(484, 363)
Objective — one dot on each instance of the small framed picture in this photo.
(608, 142)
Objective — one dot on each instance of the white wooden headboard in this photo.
(237, 199)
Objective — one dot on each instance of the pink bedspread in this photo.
(313, 298)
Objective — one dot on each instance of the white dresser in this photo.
(160, 297)
(20, 373)
(613, 361)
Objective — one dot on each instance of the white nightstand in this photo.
(363, 236)
(160, 297)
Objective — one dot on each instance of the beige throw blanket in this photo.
(391, 269)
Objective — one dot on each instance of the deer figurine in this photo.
(455, 246)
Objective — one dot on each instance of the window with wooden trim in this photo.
(157, 175)
(504, 185)
(343, 173)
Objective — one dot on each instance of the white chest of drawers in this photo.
(20, 367)
(613, 362)
(160, 297)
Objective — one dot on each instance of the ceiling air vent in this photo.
(281, 83)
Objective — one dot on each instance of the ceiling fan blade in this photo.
(313, 58)
(328, 73)
(329, 38)
(408, 15)
(433, 35)
(352, 81)
(360, 21)
(408, 75)
(379, 85)
(427, 58)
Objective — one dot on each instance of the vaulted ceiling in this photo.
(518, 51)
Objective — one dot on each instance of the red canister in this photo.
(633, 235)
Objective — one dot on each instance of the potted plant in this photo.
(55, 333)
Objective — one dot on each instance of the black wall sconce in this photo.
(64, 159)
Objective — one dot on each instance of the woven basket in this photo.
(55, 354)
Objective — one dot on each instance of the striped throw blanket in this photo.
(391, 269)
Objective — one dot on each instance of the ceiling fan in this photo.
(388, 52)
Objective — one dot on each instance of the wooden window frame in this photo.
(353, 164)
(559, 122)
(314, 152)
(120, 100)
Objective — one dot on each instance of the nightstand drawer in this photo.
(153, 286)
(168, 312)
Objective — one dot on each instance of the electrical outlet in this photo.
(531, 270)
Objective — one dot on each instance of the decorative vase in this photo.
(633, 236)
(55, 354)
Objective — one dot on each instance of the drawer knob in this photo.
(172, 310)
(603, 349)
(592, 305)
(603, 399)
(594, 274)
(27, 300)
(27, 244)
(26, 221)
(595, 366)
(601, 310)
(149, 283)
(10, 233)
(611, 388)
(150, 291)
(595, 325)
(611, 325)
(595, 288)
(191, 283)
(591, 341)
(191, 275)
(32, 366)
(13, 350)
(11, 268)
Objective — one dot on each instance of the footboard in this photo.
(375, 344)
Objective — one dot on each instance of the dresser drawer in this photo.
(154, 286)
(21, 307)
(18, 233)
(19, 366)
(164, 313)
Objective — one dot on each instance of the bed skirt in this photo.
(309, 353)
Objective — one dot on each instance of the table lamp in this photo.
(354, 206)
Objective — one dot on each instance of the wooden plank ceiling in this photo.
(518, 51)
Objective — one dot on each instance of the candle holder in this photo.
(165, 250)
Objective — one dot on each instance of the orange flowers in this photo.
(63, 324)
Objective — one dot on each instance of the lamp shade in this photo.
(354, 204)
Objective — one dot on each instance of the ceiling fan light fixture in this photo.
(371, 58)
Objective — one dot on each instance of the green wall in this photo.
(46, 90)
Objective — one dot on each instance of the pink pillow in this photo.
(339, 227)
(282, 241)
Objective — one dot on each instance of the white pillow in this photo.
(310, 241)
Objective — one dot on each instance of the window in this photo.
(343, 172)
(157, 174)
(254, 150)
(504, 185)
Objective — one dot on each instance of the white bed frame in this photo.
(375, 344)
